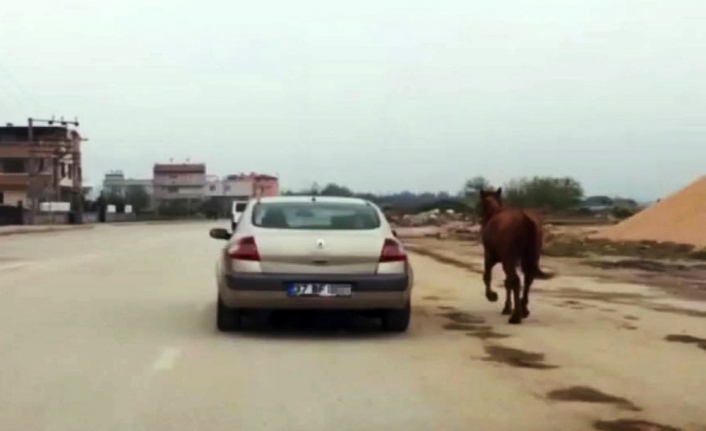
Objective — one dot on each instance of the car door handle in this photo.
(319, 261)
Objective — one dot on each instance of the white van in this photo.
(237, 212)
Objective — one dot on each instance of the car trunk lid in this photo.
(319, 251)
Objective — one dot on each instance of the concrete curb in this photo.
(44, 229)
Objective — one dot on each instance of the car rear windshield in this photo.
(315, 215)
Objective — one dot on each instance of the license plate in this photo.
(319, 289)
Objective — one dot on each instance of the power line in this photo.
(21, 88)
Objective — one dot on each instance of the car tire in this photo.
(397, 320)
(228, 319)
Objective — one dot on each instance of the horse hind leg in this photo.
(512, 284)
(489, 263)
(528, 270)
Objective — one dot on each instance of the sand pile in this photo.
(679, 218)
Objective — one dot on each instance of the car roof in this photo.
(323, 199)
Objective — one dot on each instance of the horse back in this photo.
(511, 231)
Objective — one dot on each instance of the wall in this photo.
(189, 186)
(267, 187)
(47, 218)
(11, 197)
(242, 187)
(119, 217)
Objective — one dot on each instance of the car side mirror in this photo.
(219, 233)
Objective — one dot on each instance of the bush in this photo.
(557, 194)
(622, 213)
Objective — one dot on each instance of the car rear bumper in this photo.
(269, 291)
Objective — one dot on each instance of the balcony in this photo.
(25, 150)
(20, 181)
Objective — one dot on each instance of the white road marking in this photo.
(167, 358)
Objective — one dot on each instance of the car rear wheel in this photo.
(397, 320)
(227, 319)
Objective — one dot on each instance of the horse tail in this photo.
(534, 247)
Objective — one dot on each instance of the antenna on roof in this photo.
(314, 191)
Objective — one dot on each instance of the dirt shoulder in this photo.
(681, 278)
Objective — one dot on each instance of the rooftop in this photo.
(179, 168)
(21, 133)
(250, 176)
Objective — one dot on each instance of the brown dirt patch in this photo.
(474, 325)
(586, 394)
(486, 333)
(431, 298)
(632, 425)
(687, 339)
(516, 357)
(684, 278)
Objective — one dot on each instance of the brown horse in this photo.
(511, 237)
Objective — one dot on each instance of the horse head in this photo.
(491, 202)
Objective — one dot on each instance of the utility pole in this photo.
(36, 166)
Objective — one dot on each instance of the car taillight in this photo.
(245, 249)
(392, 252)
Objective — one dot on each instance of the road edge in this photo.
(47, 229)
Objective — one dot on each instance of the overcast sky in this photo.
(376, 95)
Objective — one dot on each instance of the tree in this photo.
(333, 189)
(473, 186)
(544, 192)
(137, 196)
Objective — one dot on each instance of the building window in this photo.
(212, 188)
(13, 166)
(173, 189)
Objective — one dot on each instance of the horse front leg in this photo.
(507, 309)
(489, 263)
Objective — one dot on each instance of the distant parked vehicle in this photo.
(313, 252)
(237, 212)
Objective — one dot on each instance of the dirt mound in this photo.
(679, 218)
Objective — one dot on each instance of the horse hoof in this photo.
(515, 320)
(525, 313)
(506, 311)
(491, 296)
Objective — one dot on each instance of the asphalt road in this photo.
(113, 329)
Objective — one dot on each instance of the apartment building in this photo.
(241, 186)
(184, 181)
(42, 163)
